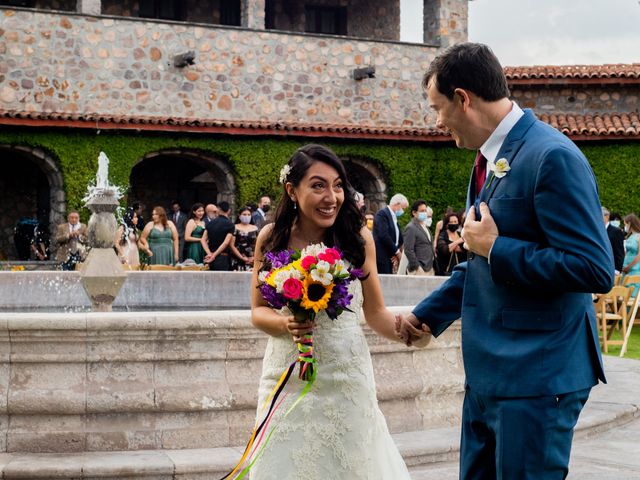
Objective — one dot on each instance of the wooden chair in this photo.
(160, 267)
(632, 309)
(611, 309)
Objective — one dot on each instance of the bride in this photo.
(337, 431)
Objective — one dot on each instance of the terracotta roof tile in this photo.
(617, 71)
(609, 125)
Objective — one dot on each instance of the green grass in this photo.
(633, 347)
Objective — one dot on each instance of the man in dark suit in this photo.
(180, 220)
(529, 338)
(259, 217)
(216, 238)
(616, 237)
(387, 235)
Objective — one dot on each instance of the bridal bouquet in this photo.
(306, 282)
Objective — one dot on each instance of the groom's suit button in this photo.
(472, 255)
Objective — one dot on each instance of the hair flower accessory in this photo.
(499, 169)
(284, 173)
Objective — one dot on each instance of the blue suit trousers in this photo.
(518, 438)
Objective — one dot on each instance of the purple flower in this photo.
(356, 273)
(279, 259)
(272, 297)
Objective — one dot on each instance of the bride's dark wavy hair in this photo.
(344, 233)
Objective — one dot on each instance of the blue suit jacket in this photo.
(528, 325)
(384, 236)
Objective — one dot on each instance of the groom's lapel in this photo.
(508, 151)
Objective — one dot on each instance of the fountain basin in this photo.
(87, 382)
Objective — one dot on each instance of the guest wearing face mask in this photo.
(260, 215)
(387, 235)
(418, 255)
(451, 249)
(244, 241)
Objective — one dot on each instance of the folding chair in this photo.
(633, 304)
(611, 309)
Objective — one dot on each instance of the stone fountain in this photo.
(102, 274)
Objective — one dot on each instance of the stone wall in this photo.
(124, 67)
(578, 99)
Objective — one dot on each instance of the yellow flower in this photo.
(315, 295)
(17, 268)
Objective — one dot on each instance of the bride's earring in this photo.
(295, 204)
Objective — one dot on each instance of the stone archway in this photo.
(31, 186)
(188, 176)
(367, 178)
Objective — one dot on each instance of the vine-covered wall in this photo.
(437, 173)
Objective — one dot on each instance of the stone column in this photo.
(445, 22)
(253, 14)
(90, 7)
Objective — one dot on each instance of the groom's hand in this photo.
(411, 331)
(479, 235)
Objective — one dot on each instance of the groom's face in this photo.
(450, 114)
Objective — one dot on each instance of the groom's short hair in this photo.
(470, 66)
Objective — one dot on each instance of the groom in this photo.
(538, 249)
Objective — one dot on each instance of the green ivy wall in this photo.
(434, 172)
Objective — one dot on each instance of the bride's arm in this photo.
(378, 317)
(262, 315)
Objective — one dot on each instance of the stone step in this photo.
(425, 452)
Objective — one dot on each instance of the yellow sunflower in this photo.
(315, 295)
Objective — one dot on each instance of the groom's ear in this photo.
(462, 97)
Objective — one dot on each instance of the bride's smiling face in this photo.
(319, 195)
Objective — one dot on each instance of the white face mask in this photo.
(428, 221)
(615, 223)
(245, 219)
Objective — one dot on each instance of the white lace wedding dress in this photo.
(337, 431)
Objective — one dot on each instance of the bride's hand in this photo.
(299, 330)
(412, 332)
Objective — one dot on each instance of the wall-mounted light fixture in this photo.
(365, 72)
(183, 59)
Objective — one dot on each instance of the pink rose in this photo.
(308, 261)
(292, 289)
(330, 255)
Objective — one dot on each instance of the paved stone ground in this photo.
(604, 452)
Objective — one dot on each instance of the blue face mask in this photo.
(422, 217)
(399, 213)
(615, 223)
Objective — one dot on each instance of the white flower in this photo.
(499, 168)
(313, 250)
(321, 273)
(284, 275)
(284, 173)
(262, 276)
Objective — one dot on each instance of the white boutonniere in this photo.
(499, 169)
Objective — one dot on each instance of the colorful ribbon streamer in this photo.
(308, 374)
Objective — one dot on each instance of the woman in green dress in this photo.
(159, 239)
(193, 233)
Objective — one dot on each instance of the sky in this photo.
(546, 32)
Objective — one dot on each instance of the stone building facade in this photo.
(327, 69)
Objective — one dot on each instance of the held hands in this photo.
(297, 330)
(412, 332)
(479, 236)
